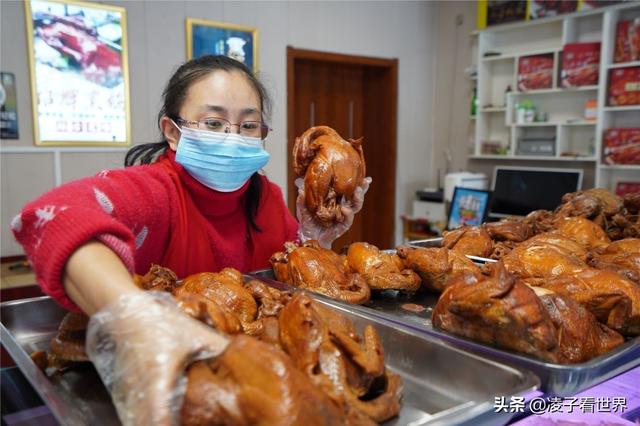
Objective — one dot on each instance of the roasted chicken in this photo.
(436, 265)
(382, 271)
(471, 240)
(582, 231)
(622, 256)
(614, 300)
(327, 348)
(253, 383)
(508, 230)
(332, 169)
(67, 346)
(323, 271)
(501, 311)
(595, 204)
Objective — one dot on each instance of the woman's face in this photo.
(221, 94)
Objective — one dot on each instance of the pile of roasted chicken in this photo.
(565, 287)
(291, 360)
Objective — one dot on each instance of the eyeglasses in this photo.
(254, 129)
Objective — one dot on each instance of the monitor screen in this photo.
(517, 191)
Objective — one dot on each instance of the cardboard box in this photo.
(621, 146)
(624, 86)
(535, 72)
(580, 64)
(623, 188)
(627, 47)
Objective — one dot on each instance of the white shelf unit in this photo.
(575, 139)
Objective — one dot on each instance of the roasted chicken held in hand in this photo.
(382, 271)
(327, 348)
(436, 265)
(320, 270)
(332, 168)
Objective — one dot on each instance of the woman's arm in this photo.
(95, 276)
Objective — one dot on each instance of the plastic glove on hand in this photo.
(311, 229)
(140, 345)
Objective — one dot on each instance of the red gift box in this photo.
(580, 64)
(535, 72)
(623, 188)
(621, 146)
(627, 41)
(624, 86)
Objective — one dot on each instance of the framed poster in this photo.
(468, 207)
(8, 106)
(217, 38)
(79, 73)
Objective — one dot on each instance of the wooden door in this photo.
(357, 97)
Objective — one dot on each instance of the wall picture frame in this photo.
(468, 207)
(79, 71)
(205, 37)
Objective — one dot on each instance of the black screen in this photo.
(519, 192)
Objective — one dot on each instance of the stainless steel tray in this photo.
(437, 242)
(556, 379)
(442, 384)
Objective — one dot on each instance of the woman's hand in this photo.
(310, 229)
(141, 344)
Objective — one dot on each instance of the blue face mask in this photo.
(220, 161)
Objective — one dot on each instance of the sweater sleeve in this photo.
(128, 210)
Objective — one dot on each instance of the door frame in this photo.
(390, 67)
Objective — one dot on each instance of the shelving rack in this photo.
(576, 139)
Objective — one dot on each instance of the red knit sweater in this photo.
(131, 211)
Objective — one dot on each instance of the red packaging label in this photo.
(621, 146)
(580, 64)
(535, 72)
(624, 86)
(623, 188)
(627, 47)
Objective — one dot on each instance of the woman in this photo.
(197, 203)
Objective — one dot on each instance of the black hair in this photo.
(173, 97)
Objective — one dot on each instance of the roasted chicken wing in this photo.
(436, 265)
(332, 168)
(323, 271)
(382, 271)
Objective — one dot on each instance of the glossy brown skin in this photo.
(582, 231)
(622, 256)
(614, 300)
(382, 271)
(508, 230)
(157, 278)
(332, 168)
(253, 383)
(471, 240)
(209, 312)
(595, 204)
(327, 348)
(543, 256)
(580, 335)
(540, 221)
(436, 265)
(323, 271)
(502, 311)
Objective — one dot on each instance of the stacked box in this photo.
(627, 47)
(580, 64)
(535, 72)
(624, 86)
(621, 146)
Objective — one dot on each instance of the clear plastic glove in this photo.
(310, 229)
(141, 344)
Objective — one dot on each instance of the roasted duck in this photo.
(436, 265)
(501, 311)
(471, 240)
(323, 271)
(382, 271)
(327, 348)
(332, 169)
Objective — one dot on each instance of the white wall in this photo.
(156, 32)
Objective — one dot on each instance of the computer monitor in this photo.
(517, 191)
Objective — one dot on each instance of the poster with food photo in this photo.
(79, 72)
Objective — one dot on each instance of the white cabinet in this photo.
(564, 134)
